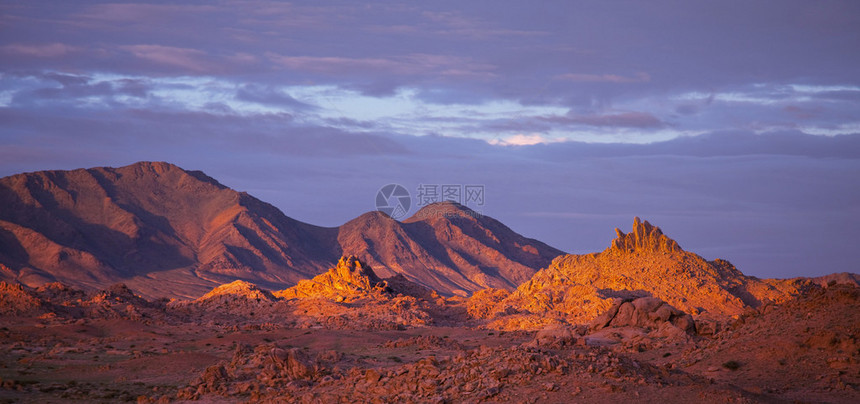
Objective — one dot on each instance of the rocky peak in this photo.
(349, 278)
(644, 237)
(352, 271)
(443, 210)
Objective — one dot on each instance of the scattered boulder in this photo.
(646, 312)
(560, 335)
(14, 299)
(483, 303)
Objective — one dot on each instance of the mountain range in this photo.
(447, 305)
(169, 232)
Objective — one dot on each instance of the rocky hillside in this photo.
(446, 247)
(161, 229)
(814, 339)
(168, 232)
(348, 296)
(644, 262)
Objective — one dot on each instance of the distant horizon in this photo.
(608, 233)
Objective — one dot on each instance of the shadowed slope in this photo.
(169, 232)
(145, 224)
(446, 247)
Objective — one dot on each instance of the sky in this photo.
(732, 125)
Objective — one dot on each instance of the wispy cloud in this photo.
(270, 96)
(51, 50)
(190, 59)
(521, 140)
(140, 12)
(640, 77)
(640, 120)
(412, 64)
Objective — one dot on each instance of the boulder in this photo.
(644, 312)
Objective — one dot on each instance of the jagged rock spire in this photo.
(644, 237)
(352, 271)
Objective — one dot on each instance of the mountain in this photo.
(644, 262)
(168, 232)
(446, 247)
(164, 230)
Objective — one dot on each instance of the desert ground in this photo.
(243, 344)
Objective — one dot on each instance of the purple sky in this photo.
(733, 125)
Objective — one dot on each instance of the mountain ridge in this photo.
(171, 232)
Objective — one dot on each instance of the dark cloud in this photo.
(621, 120)
(352, 123)
(73, 89)
(270, 96)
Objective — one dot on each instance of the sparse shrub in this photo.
(732, 365)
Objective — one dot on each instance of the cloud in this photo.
(457, 24)
(520, 140)
(412, 64)
(714, 144)
(270, 96)
(351, 123)
(53, 50)
(139, 12)
(640, 77)
(74, 90)
(185, 58)
(639, 120)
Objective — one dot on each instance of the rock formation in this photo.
(237, 290)
(642, 263)
(350, 278)
(14, 300)
(643, 237)
(646, 312)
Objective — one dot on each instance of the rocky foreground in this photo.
(349, 336)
